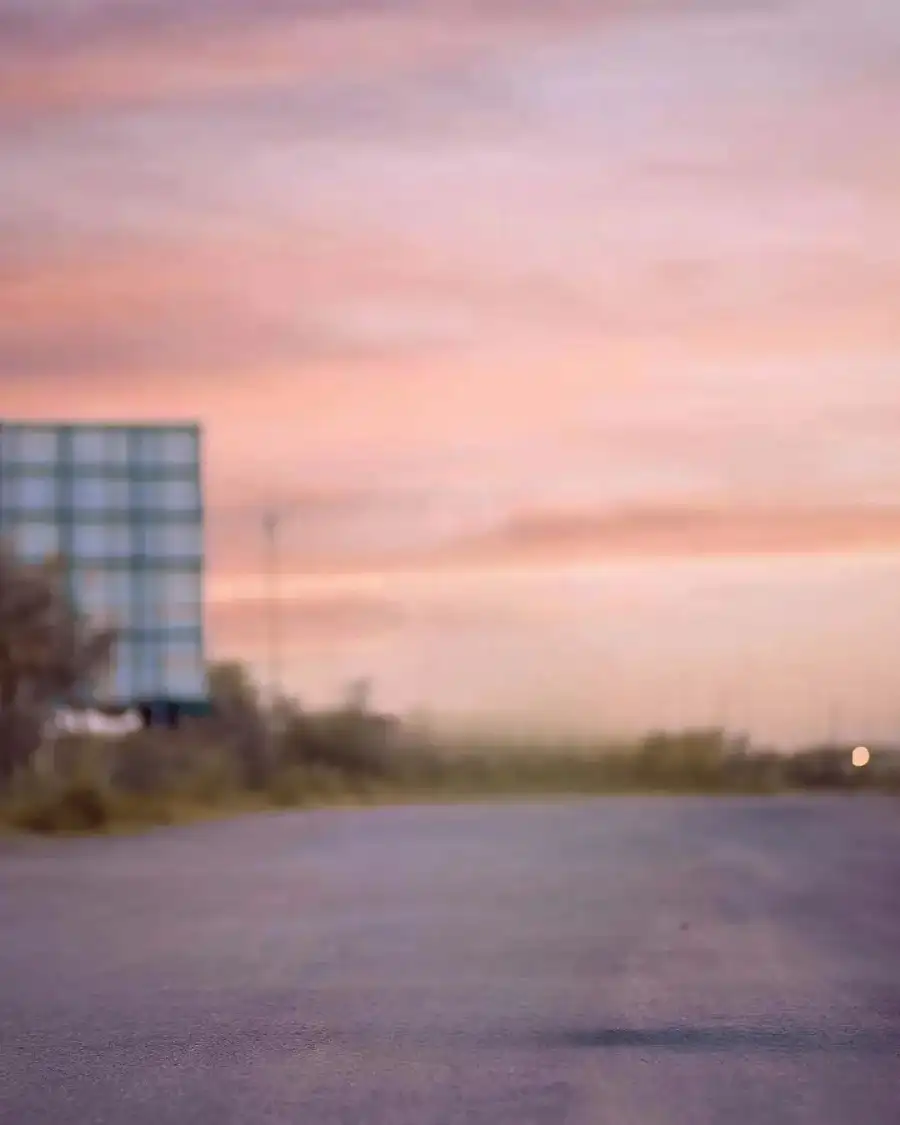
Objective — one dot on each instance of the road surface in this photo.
(655, 961)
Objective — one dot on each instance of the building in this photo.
(123, 506)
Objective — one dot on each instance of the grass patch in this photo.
(161, 778)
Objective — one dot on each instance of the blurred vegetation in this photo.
(249, 756)
(49, 652)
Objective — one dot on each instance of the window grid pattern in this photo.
(123, 505)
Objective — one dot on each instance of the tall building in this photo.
(123, 506)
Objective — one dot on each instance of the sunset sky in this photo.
(567, 333)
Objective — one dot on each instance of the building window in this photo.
(149, 448)
(119, 589)
(37, 446)
(119, 494)
(119, 540)
(179, 448)
(147, 599)
(89, 541)
(117, 447)
(146, 670)
(31, 492)
(107, 596)
(94, 541)
(179, 495)
(158, 448)
(88, 494)
(180, 601)
(170, 599)
(192, 682)
(8, 492)
(168, 495)
(148, 495)
(171, 542)
(93, 494)
(36, 541)
(182, 667)
(124, 679)
(8, 444)
(89, 445)
(150, 677)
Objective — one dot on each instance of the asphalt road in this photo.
(656, 961)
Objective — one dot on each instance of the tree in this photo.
(232, 690)
(238, 713)
(49, 652)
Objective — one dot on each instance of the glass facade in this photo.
(123, 505)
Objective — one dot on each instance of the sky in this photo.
(564, 337)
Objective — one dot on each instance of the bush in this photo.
(78, 807)
(49, 652)
(290, 787)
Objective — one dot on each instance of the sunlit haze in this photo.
(566, 336)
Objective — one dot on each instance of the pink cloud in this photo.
(540, 537)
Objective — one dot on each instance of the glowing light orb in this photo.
(860, 756)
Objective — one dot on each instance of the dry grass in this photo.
(159, 778)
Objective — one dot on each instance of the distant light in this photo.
(860, 756)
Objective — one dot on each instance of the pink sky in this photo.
(569, 333)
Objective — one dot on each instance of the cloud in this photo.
(153, 53)
(552, 543)
(140, 53)
(314, 524)
(546, 537)
(51, 23)
(185, 308)
(550, 539)
(182, 340)
(337, 618)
